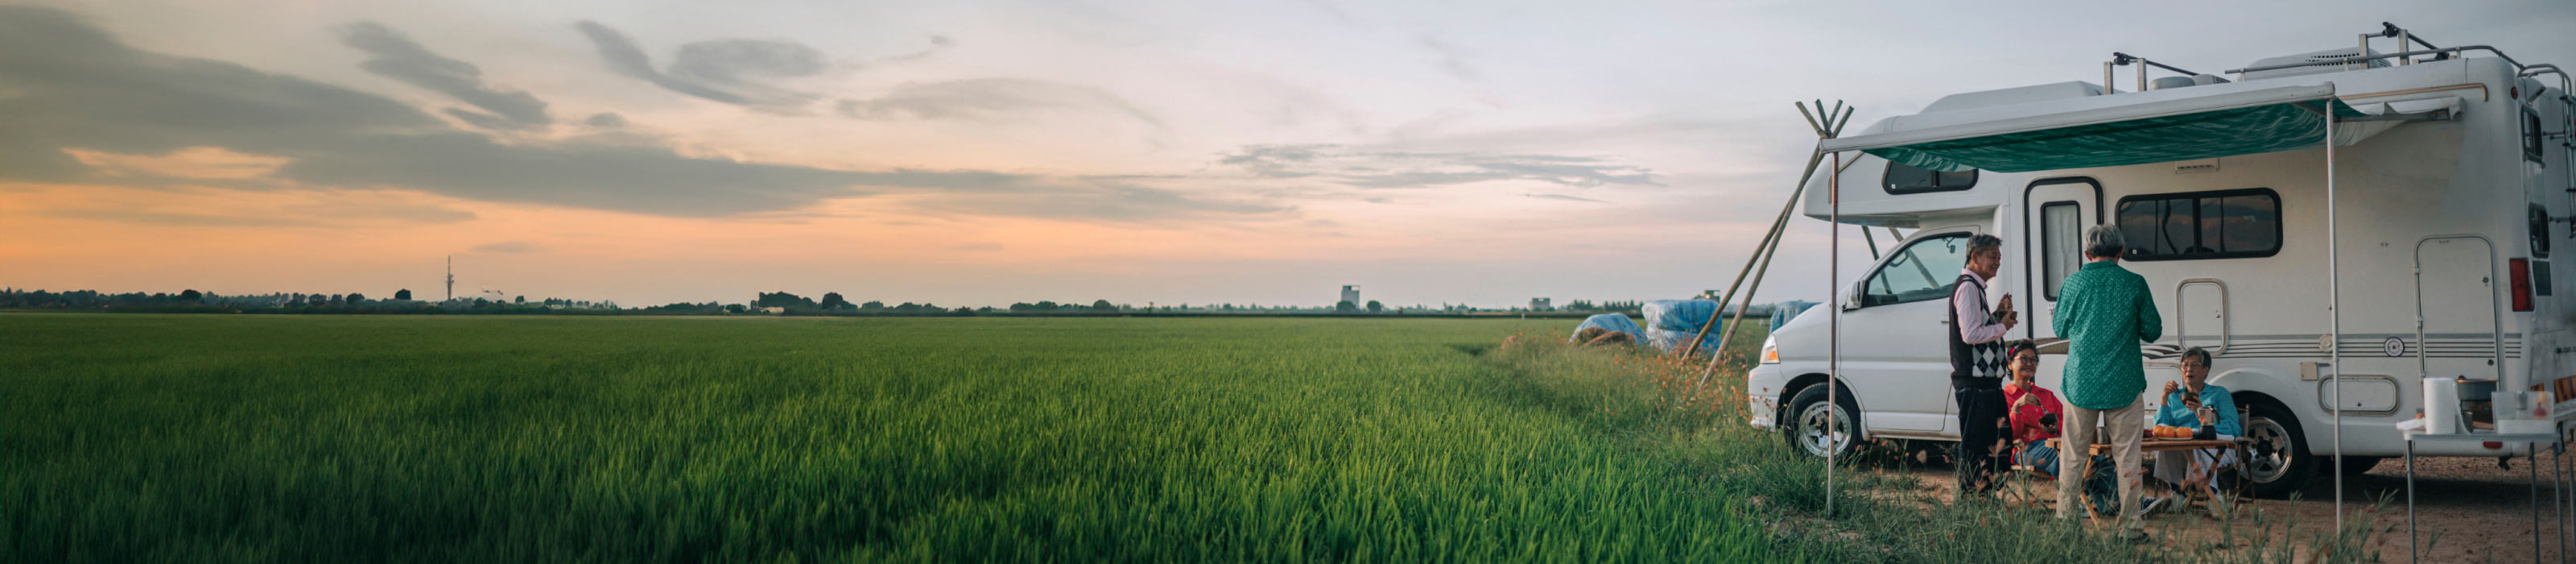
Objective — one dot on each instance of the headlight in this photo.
(1770, 351)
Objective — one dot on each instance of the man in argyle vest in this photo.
(1977, 368)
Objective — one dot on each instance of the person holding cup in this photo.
(2210, 412)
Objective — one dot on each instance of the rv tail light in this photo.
(2521, 273)
(2492, 444)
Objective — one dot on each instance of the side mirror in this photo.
(1851, 301)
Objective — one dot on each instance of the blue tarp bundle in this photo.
(1673, 323)
(1612, 322)
(1782, 312)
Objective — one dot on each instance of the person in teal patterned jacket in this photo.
(2193, 474)
(2105, 312)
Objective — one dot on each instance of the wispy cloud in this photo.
(176, 218)
(394, 55)
(1449, 59)
(989, 99)
(505, 247)
(1565, 197)
(1113, 202)
(129, 102)
(1367, 168)
(733, 71)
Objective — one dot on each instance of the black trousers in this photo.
(1981, 424)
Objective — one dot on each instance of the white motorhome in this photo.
(2452, 174)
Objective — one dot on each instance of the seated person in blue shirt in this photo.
(2193, 472)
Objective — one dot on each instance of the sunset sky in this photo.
(979, 153)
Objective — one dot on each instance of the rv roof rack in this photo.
(2391, 30)
(2119, 59)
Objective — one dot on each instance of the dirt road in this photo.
(2467, 510)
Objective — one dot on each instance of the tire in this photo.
(1804, 429)
(2281, 461)
(2358, 465)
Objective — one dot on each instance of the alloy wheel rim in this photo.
(2271, 449)
(1811, 429)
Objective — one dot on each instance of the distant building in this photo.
(1351, 294)
(1542, 304)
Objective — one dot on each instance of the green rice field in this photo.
(355, 438)
(129, 437)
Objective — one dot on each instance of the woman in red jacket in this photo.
(2035, 411)
(2034, 417)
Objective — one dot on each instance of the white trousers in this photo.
(2125, 425)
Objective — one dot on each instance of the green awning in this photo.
(2124, 129)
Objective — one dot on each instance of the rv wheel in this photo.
(1808, 413)
(2281, 461)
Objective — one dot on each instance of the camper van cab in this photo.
(2454, 228)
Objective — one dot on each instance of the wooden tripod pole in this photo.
(1827, 128)
(1771, 238)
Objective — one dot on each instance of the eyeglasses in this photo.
(2198, 365)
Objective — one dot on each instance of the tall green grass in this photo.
(213, 438)
(258, 438)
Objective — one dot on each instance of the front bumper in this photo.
(1761, 391)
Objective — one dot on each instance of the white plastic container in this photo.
(2441, 406)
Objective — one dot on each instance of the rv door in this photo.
(2056, 211)
(2456, 303)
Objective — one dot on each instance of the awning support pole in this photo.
(1828, 127)
(2334, 310)
(1834, 330)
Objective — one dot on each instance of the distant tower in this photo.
(451, 278)
(1351, 294)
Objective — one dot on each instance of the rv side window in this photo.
(1902, 178)
(1923, 270)
(2539, 227)
(2202, 225)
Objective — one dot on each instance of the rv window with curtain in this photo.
(1907, 179)
(2061, 245)
(2202, 225)
(2534, 138)
(1923, 270)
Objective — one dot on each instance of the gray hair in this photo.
(2104, 241)
(2187, 354)
(1978, 245)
